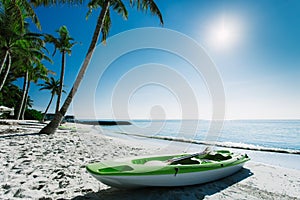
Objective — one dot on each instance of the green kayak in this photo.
(189, 169)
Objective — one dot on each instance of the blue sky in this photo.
(254, 45)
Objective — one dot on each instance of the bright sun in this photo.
(224, 33)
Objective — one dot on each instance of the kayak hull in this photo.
(129, 175)
(167, 180)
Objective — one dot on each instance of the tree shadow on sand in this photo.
(188, 192)
(8, 134)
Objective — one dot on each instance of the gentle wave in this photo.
(219, 144)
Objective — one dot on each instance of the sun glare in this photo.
(224, 33)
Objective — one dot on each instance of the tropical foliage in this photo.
(22, 53)
(11, 96)
(33, 114)
(54, 87)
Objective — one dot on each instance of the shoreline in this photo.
(102, 122)
(40, 166)
(286, 160)
(218, 144)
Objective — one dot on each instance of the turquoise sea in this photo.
(261, 135)
(273, 142)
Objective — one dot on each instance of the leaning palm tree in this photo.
(103, 25)
(64, 44)
(52, 85)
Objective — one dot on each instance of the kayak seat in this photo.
(187, 161)
(216, 157)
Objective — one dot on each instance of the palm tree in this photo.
(103, 25)
(13, 15)
(63, 44)
(13, 28)
(52, 85)
(30, 63)
(10, 33)
(12, 21)
(34, 74)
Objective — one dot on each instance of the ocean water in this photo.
(262, 135)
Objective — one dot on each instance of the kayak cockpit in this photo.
(200, 159)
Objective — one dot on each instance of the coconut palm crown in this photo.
(53, 86)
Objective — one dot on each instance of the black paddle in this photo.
(172, 160)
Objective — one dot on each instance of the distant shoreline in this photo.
(103, 122)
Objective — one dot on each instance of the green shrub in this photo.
(33, 114)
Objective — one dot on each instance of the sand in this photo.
(36, 166)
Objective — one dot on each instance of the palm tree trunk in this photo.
(52, 126)
(23, 95)
(6, 73)
(61, 81)
(3, 62)
(48, 107)
(26, 99)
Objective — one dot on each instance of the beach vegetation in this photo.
(22, 53)
(10, 35)
(11, 96)
(32, 67)
(33, 114)
(13, 32)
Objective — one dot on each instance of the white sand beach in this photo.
(53, 167)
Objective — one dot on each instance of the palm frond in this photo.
(63, 42)
(30, 13)
(93, 4)
(55, 2)
(146, 5)
(52, 85)
(119, 8)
